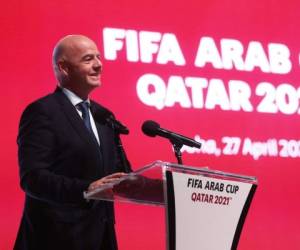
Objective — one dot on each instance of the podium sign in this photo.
(205, 209)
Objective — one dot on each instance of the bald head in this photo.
(65, 48)
(76, 63)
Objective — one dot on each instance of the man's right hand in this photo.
(105, 180)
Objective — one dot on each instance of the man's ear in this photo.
(63, 67)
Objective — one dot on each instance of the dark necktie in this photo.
(84, 108)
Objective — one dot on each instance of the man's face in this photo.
(84, 65)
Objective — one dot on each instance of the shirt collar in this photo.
(74, 99)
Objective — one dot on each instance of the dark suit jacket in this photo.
(58, 159)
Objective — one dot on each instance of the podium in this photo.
(205, 209)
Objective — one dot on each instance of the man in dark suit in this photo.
(64, 150)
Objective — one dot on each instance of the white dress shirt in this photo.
(74, 99)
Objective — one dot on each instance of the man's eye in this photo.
(87, 60)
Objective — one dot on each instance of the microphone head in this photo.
(150, 128)
(102, 115)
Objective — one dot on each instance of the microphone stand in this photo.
(177, 145)
(121, 152)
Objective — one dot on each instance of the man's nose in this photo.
(97, 64)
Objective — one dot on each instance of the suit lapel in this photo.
(104, 134)
(75, 119)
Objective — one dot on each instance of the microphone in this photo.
(152, 129)
(103, 115)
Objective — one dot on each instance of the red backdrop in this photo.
(248, 117)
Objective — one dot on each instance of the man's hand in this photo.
(105, 180)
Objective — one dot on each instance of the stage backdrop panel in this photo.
(223, 72)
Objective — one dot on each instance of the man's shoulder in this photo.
(44, 99)
(42, 104)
